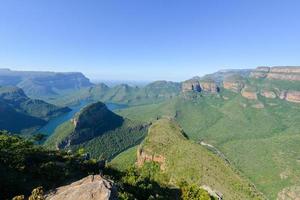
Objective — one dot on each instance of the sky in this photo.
(148, 39)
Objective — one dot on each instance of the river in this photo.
(50, 127)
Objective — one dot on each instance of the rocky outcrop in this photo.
(191, 85)
(233, 86)
(268, 94)
(277, 73)
(198, 85)
(234, 83)
(209, 86)
(249, 93)
(143, 157)
(92, 187)
(290, 193)
(293, 96)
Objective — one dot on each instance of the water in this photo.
(50, 127)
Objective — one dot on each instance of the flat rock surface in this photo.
(92, 187)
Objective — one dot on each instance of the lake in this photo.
(50, 127)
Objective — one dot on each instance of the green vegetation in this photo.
(111, 135)
(24, 166)
(261, 143)
(28, 171)
(22, 114)
(123, 94)
(182, 159)
(125, 160)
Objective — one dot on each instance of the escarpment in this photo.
(197, 85)
(277, 73)
(143, 156)
(268, 82)
(249, 93)
(234, 83)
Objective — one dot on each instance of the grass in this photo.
(189, 161)
(125, 160)
(111, 135)
(259, 142)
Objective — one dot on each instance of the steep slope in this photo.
(271, 82)
(154, 92)
(24, 166)
(18, 112)
(37, 84)
(246, 133)
(99, 131)
(181, 159)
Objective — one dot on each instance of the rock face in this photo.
(92, 187)
(198, 85)
(209, 86)
(277, 73)
(191, 85)
(234, 83)
(143, 157)
(249, 93)
(293, 96)
(291, 193)
(268, 94)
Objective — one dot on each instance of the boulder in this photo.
(92, 187)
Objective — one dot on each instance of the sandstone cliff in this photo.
(92, 187)
(234, 83)
(197, 85)
(249, 93)
(143, 156)
(277, 73)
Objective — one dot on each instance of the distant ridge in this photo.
(43, 83)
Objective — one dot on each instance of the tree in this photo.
(193, 192)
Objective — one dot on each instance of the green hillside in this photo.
(19, 113)
(24, 166)
(154, 92)
(99, 131)
(189, 161)
(260, 142)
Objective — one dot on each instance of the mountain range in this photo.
(233, 133)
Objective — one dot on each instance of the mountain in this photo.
(246, 126)
(271, 82)
(182, 159)
(99, 131)
(19, 113)
(157, 91)
(37, 84)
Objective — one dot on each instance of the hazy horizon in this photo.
(148, 40)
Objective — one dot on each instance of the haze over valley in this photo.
(149, 100)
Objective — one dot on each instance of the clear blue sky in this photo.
(148, 39)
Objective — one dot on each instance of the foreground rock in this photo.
(92, 187)
(291, 193)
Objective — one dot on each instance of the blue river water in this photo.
(50, 127)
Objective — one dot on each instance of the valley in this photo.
(233, 133)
